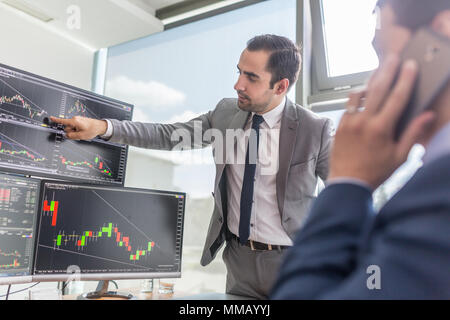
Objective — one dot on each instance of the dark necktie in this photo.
(249, 179)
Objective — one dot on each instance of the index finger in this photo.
(380, 84)
(400, 95)
(66, 122)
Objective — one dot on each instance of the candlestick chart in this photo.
(104, 229)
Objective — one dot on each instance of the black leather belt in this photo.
(255, 245)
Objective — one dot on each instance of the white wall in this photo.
(28, 45)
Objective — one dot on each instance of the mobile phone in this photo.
(432, 53)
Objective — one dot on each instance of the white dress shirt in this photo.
(265, 221)
(109, 130)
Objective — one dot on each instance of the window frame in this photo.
(320, 79)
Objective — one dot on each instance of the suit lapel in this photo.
(238, 122)
(288, 135)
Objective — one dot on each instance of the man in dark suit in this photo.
(259, 203)
(344, 250)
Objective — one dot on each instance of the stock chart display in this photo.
(18, 211)
(30, 144)
(104, 229)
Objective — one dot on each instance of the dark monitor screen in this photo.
(19, 200)
(30, 144)
(106, 232)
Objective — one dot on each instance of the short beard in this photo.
(250, 107)
(257, 108)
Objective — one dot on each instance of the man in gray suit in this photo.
(259, 203)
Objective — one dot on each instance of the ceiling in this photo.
(95, 23)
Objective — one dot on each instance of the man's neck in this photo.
(274, 104)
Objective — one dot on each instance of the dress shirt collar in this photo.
(438, 146)
(274, 116)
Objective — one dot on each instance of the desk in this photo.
(175, 296)
(137, 293)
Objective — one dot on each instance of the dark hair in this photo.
(284, 60)
(414, 14)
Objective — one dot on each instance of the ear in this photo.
(441, 23)
(282, 86)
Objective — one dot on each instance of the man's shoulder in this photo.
(228, 104)
(309, 121)
(307, 114)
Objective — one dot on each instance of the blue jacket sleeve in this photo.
(407, 243)
(324, 251)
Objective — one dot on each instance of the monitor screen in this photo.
(30, 144)
(106, 232)
(19, 202)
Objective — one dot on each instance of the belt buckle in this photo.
(252, 247)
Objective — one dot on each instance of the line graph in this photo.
(29, 142)
(98, 164)
(22, 152)
(15, 249)
(99, 161)
(93, 108)
(79, 108)
(15, 263)
(22, 145)
(22, 104)
(15, 253)
(29, 102)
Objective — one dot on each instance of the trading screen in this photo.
(103, 229)
(18, 207)
(30, 144)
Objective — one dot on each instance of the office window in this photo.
(342, 34)
(174, 76)
(399, 178)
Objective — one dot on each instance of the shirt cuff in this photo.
(349, 180)
(109, 130)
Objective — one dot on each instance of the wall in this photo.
(28, 45)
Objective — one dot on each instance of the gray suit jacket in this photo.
(305, 141)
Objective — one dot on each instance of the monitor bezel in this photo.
(107, 275)
(76, 90)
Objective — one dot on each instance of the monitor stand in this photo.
(102, 293)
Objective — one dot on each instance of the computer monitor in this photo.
(105, 232)
(31, 144)
(19, 202)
